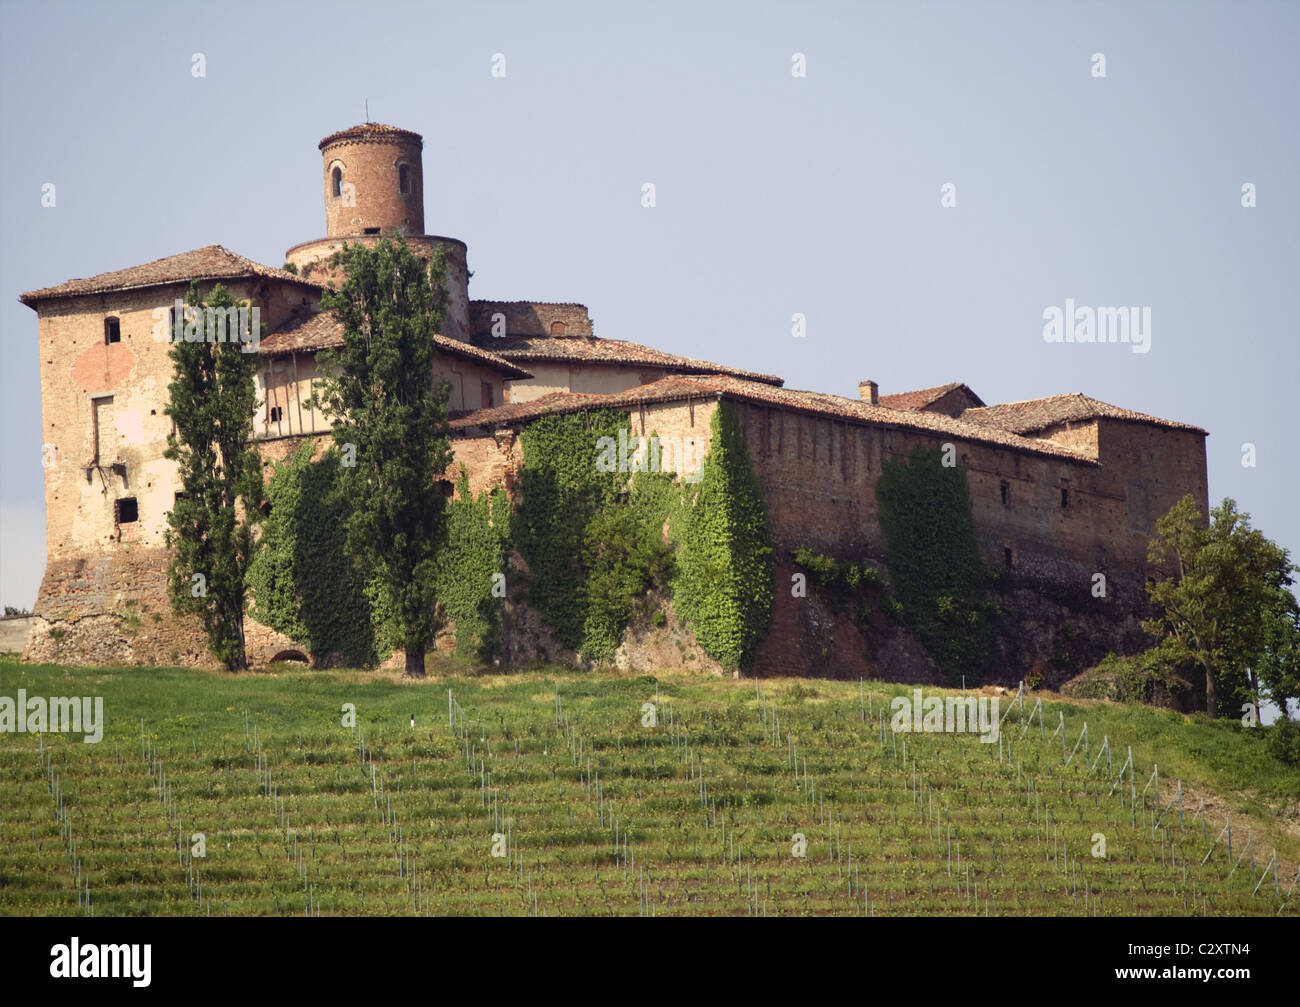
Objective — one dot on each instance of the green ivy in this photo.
(303, 583)
(725, 585)
(933, 560)
(562, 490)
(477, 538)
(626, 555)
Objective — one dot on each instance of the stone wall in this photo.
(528, 318)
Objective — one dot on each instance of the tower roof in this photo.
(370, 132)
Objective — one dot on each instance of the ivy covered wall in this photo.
(938, 582)
(603, 544)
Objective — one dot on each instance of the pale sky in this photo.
(775, 194)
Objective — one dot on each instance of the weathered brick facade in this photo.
(1062, 489)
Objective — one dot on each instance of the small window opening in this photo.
(112, 330)
(277, 413)
(1006, 493)
(1065, 496)
(127, 510)
(371, 230)
(336, 182)
(404, 180)
(1006, 556)
(557, 328)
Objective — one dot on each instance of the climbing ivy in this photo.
(626, 555)
(933, 560)
(562, 490)
(725, 585)
(470, 565)
(600, 545)
(302, 581)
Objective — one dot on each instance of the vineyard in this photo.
(536, 793)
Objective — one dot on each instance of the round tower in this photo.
(374, 181)
(374, 189)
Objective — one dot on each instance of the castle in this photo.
(1062, 487)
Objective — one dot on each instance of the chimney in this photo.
(868, 392)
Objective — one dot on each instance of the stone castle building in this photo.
(1062, 487)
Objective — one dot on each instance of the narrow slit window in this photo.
(1065, 496)
(336, 182)
(112, 330)
(1006, 493)
(404, 180)
(1006, 556)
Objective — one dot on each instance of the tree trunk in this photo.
(414, 659)
(1211, 710)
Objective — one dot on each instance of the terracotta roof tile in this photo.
(681, 388)
(322, 331)
(1033, 415)
(368, 132)
(923, 397)
(591, 349)
(211, 262)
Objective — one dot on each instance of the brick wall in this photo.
(529, 318)
(371, 166)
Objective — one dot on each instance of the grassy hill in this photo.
(594, 812)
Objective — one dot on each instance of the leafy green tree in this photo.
(1278, 667)
(212, 401)
(391, 426)
(1215, 588)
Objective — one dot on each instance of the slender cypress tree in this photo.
(213, 398)
(391, 426)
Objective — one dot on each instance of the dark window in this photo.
(485, 393)
(277, 413)
(126, 510)
(112, 330)
(1065, 496)
(372, 230)
(1006, 556)
(1006, 494)
(336, 183)
(404, 180)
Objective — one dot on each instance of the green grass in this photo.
(706, 803)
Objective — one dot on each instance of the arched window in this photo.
(404, 179)
(557, 328)
(336, 182)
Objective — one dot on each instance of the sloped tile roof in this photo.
(322, 331)
(680, 388)
(923, 397)
(1033, 415)
(591, 349)
(211, 262)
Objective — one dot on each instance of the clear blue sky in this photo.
(775, 194)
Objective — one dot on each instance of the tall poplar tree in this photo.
(212, 401)
(390, 424)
